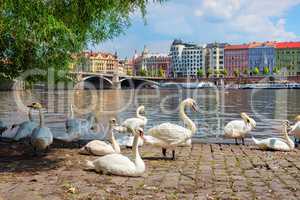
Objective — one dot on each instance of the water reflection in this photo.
(217, 107)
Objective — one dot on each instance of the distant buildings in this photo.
(236, 60)
(191, 60)
(221, 59)
(215, 59)
(262, 57)
(151, 64)
(288, 58)
(127, 65)
(99, 62)
(187, 59)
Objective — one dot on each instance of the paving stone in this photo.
(208, 172)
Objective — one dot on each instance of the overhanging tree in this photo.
(44, 34)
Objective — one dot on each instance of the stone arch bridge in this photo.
(114, 81)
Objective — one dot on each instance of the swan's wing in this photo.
(273, 143)
(72, 123)
(25, 130)
(11, 132)
(170, 133)
(133, 123)
(41, 137)
(235, 127)
(115, 164)
(97, 147)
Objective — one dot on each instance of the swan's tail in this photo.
(255, 140)
(89, 164)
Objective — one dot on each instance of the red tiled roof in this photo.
(98, 54)
(261, 44)
(284, 45)
(237, 47)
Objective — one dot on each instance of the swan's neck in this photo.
(30, 115)
(71, 112)
(186, 120)
(138, 114)
(287, 138)
(114, 143)
(139, 163)
(41, 118)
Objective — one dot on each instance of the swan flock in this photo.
(166, 136)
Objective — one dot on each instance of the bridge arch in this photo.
(136, 82)
(97, 82)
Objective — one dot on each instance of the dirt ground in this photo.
(209, 171)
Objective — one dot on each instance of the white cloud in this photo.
(252, 18)
(204, 21)
(218, 9)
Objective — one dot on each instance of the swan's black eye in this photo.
(248, 120)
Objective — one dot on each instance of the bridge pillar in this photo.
(79, 77)
(116, 82)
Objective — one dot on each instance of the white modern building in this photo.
(186, 59)
(215, 58)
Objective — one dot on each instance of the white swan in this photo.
(24, 130)
(278, 144)
(101, 148)
(130, 124)
(135, 122)
(169, 136)
(84, 125)
(238, 129)
(77, 128)
(295, 129)
(41, 137)
(118, 164)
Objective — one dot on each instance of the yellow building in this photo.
(97, 62)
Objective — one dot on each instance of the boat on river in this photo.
(271, 86)
(198, 85)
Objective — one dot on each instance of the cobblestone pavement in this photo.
(209, 171)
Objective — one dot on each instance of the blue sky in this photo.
(204, 21)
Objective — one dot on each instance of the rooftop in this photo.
(216, 44)
(92, 54)
(262, 44)
(237, 47)
(283, 45)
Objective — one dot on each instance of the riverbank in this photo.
(209, 171)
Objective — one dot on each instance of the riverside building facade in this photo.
(187, 60)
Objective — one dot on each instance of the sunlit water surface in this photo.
(217, 107)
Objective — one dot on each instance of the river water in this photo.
(217, 107)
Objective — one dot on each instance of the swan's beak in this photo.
(195, 108)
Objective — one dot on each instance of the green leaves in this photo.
(266, 70)
(255, 71)
(236, 72)
(200, 73)
(44, 34)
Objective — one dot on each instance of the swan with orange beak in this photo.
(238, 129)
